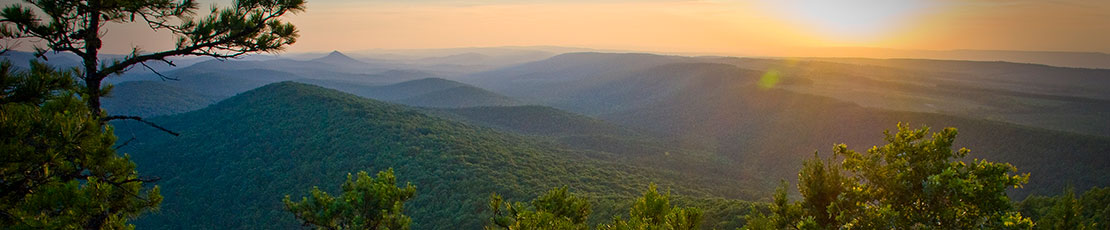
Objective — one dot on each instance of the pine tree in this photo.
(366, 203)
(556, 209)
(654, 211)
(59, 168)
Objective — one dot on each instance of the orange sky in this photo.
(689, 26)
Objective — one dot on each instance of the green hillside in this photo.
(236, 159)
(604, 140)
(461, 96)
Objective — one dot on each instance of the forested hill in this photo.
(236, 159)
(426, 92)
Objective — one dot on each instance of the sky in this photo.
(749, 27)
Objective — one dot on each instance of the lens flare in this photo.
(769, 79)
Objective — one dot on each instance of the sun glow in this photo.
(857, 22)
(717, 27)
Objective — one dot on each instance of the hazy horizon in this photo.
(701, 27)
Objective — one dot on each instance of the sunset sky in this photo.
(767, 27)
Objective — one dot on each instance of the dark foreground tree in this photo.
(58, 168)
(913, 182)
(76, 26)
(556, 209)
(366, 203)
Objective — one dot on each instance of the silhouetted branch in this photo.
(160, 75)
(211, 48)
(124, 143)
(139, 119)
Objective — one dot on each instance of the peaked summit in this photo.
(335, 57)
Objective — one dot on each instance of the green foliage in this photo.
(59, 169)
(1065, 214)
(366, 203)
(820, 184)
(601, 140)
(912, 182)
(556, 209)
(1066, 211)
(654, 211)
(784, 215)
(718, 213)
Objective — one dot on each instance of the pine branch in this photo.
(139, 119)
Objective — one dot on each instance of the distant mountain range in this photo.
(726, 105)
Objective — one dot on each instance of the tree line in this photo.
(913, 182)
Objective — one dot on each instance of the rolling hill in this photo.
(1057, 98)
(457, 97)
(191, 92)
(1032, 78)
(216, 80)
(237, 158)
(598, 139)
(427, 92)
(1065, 99)
(767, 115)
